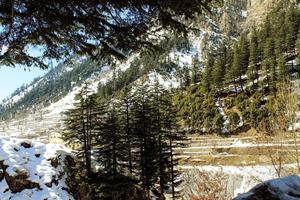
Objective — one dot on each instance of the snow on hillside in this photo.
(48, 120)
(93, 81)
(32, 170)
(15, 98)
(166, 82)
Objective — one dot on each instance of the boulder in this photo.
(275, 189)
(26, 145)
(2, 170)
(54, 180)
(1, 175)
(20, 182)
(54, 162)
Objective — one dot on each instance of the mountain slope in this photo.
(37, 109)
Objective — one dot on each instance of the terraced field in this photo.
(240, 162)
(238, 151)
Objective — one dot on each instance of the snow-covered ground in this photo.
(34, 165)
(286, 188)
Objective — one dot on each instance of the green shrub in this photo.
(234, 119)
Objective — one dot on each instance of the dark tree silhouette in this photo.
(96, 28)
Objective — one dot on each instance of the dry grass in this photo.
(206, 186)
(281, 144)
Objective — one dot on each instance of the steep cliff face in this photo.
(240, 16)
(233, 13)
(257, 11)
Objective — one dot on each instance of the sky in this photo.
(12, 78)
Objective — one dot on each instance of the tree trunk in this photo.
(161, 167)
(241, 83)
(129, 138)
(172, 169)
(236, 93)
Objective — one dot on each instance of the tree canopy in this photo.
(92, 27)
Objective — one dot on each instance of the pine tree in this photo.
(143, 130)
(235, 71)
(266, 32)
(80, 122)
(280, 34)
(218, 123)
(206, 76)
(126, 101)
(165, 131)
(186, 76)
(171, 134)
(253, 58)
(209, 111)
(218, 73)
(195, 78)
(292, 26)
(158, 104)
(109, 142)
(244, 57)
(269, 64)
(86, 28)
(282, 68)
(298, 53)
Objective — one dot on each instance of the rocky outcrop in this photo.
(276, 189)
(26, 145)
(2, 170)
(32, 170)
(257, 11)
(19, 182)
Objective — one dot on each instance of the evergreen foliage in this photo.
(252, 72)
(93, 28)
(131, 137)
(255, 66)
(81, 123)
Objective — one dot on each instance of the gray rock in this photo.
(287, 188)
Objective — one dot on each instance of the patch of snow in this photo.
(36, 162)
(239, 143)
(166, 82)
(244, 13)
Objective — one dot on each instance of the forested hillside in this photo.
(172, 59)
(232, 89)
(136, 120)
(239, 83)
(226, 55)
(132, 122)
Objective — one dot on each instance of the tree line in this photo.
(131, 136)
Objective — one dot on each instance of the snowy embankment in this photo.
(287, 188)
(32, 170)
